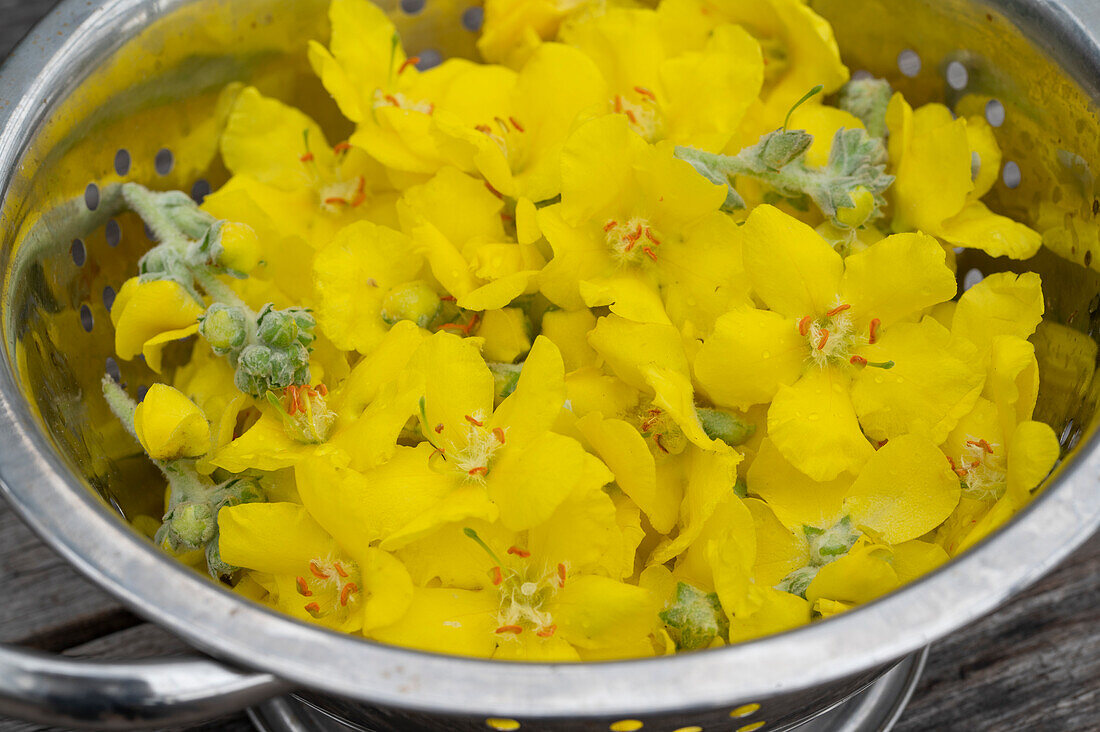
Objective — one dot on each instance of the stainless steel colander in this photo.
(118, 90)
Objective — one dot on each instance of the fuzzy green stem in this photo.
(144, 203)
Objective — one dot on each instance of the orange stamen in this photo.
(631, 116)
(313, 609)
(645, 92)
(449, 298)
(322, 390)
(875, 322)
(316, 571)
(346, 593)
(547, 632)
(837, 310)
(858, 361)
(521, 553)
(494, 191)
(360, 193)
(307, 158)
(498, 432)
(484, 128)
(336, 201)
(650, 253)
(649, 235)
(474, 422)
(393, 100)
(483, 471)
(982, 444)
(516, 124)
(410, 61)
(341, 147)
(610, 225)
(303, 588)
(657, 439)
(340, 570)
(618, 103)
(513, 629)
(823, 339)
(804, 326)
(439, 428)
(561, 575)
(497, 575)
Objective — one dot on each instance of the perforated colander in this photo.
(132, 90)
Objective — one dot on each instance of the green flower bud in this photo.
(725, 426)
(190, 525)
(779, 149)
(225, 328)
(694, 618)
(306, 325)
(798, 581)
(239, 491)
(868, 100)
(505, 379)
(415, 301)
(826, 545)
(278, 329)
(256, 360)
(215, 565)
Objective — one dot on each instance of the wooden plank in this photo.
(1035, 664)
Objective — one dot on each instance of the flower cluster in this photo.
(621, 343)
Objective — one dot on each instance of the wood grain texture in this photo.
(1033, 665)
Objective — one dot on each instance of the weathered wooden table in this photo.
(1034, 665)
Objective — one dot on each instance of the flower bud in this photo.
(781, 148)
(190, 525)
(306, 324)
(278, 329)
(225, 328)
(725, 426)
(414, 301)
(256, 360)
(170, 426)
(238, 246)
(863, 205)
(215, 565)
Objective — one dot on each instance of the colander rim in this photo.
(65, 513)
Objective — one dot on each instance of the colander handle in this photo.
(67, 692)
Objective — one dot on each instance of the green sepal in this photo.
(695, 618)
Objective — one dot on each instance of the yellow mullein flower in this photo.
(936, 189)
(512, 29)
(518, 137)
(456, 222)
(819, 348)
(321, 573)
(697, 96)
(280, 158)
(170, 426)
(354, 275)
(800, 50)
(393, 104)
(208, 381)
(148, 315)
(634, 221)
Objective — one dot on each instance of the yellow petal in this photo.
(597, 166)
(904, 491)
(625, 452)
(579, 533)
(353, 275)
(153, 349)
(776, 612)
(861, 575)
(897, 277)
(1032, 452)
(170, 426)
(631, 295)
(568, 329)
(381, 367)
(779, 550)
(823, 123)
(457, 622)
(977, 227)
(578, 256)
(983, 142)
(387, 587)
(145, 310)
(711, 477)
(1013, 380)
(813, 425)
(278, 538)
(531, 481)
(749, 356)
(793, 270)
(591, 390)
(465, 503)
(592, 611)
(458, 385)
(1003, 303)
(628, 347)
(935, 380)
(674, 395)
(797, 499)
(532, 408)
(933, 172)
(913, 559)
